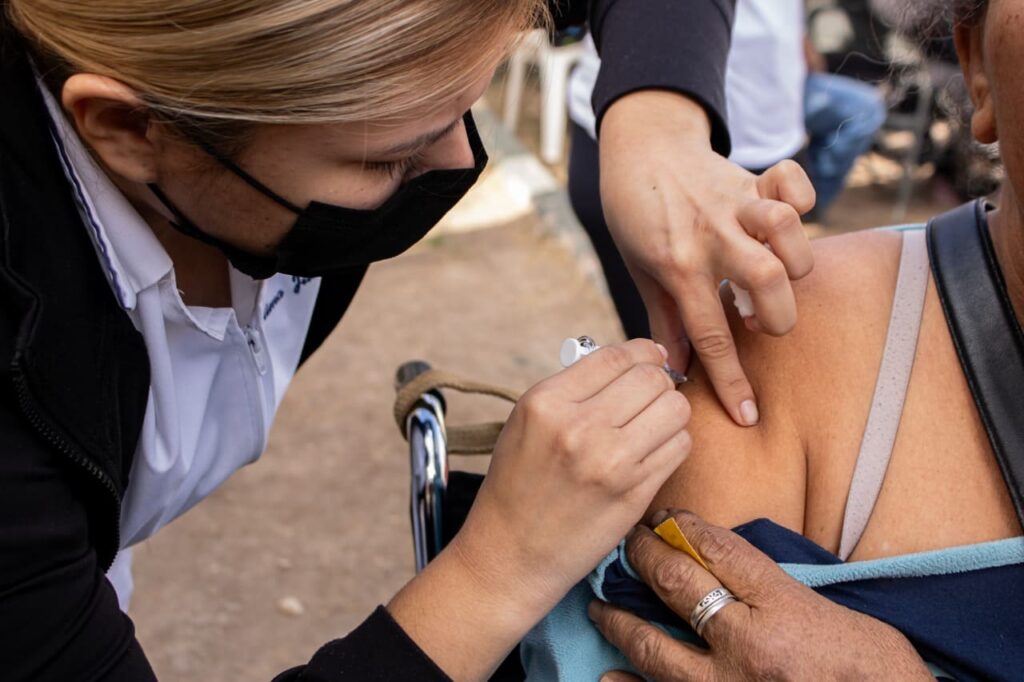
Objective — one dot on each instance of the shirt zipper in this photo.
(252, 336)
(51, 435)
(257, 350)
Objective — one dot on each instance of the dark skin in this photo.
(756, 638)
(943, 487)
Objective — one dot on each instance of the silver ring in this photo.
(713, 602)
(708, 598)
(712, 610)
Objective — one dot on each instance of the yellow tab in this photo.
(669, 531)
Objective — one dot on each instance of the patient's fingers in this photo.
(620, 676)
(596, 371)
(629, 394)
(677, 579)
(749, 573)
(651, 651)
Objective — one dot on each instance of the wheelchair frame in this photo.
(428, 464)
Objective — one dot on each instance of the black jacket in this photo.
(74, 375)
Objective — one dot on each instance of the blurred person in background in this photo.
(842, 116)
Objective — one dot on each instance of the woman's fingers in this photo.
(650, 473)
(711, 338)
(749, 573)
(651, 651)
(656, 467)
(778, 224)
(757, 270)
(593, 373)
(664, 419)
(630, 394)
(678, 580)
(665, 321)
(786, 181)
(774, 219)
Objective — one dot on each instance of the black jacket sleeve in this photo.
(59, 616)
(379, 649)
(677, 45)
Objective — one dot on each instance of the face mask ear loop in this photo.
(178, 217)
(250, 180)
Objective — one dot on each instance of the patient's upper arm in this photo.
(736, 474)
(813, 388)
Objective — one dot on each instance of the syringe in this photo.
(573, 349)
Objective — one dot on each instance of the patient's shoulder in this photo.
(842, 316)
(813, 388)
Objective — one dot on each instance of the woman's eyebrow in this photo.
(420, 142)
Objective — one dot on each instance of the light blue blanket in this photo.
(566, 646)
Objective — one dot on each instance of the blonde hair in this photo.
(280, 61)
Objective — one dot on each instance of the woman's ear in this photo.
(114, 123)
(969, 39)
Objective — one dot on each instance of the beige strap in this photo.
(890, 390)
(471, 439)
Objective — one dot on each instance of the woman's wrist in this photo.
(684, 120)
(496, 557)
(472, 605)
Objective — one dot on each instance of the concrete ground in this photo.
(297, 549)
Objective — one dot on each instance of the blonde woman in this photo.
(190, 193)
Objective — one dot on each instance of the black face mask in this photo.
(326, 238)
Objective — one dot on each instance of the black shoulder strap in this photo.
(985, 331)
(336, 293)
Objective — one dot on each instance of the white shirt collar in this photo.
(132, 256)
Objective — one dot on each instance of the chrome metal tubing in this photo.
(428, 459)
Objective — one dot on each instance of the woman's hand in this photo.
(579, 461)
(684, 218)
(581, 457)
(780, 630)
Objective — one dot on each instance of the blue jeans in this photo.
(842, 116)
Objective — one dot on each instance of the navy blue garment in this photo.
(970, 624)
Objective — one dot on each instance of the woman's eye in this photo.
(391, 169)
(395, 169)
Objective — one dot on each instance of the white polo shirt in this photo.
(217, 375)
(764, 82)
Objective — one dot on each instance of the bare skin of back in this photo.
(943, 487)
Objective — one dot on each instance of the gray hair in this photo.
(929, 18)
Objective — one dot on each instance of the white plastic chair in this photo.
(555, 64)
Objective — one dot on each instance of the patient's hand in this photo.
(780, 630)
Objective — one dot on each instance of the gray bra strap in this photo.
(890, 390)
